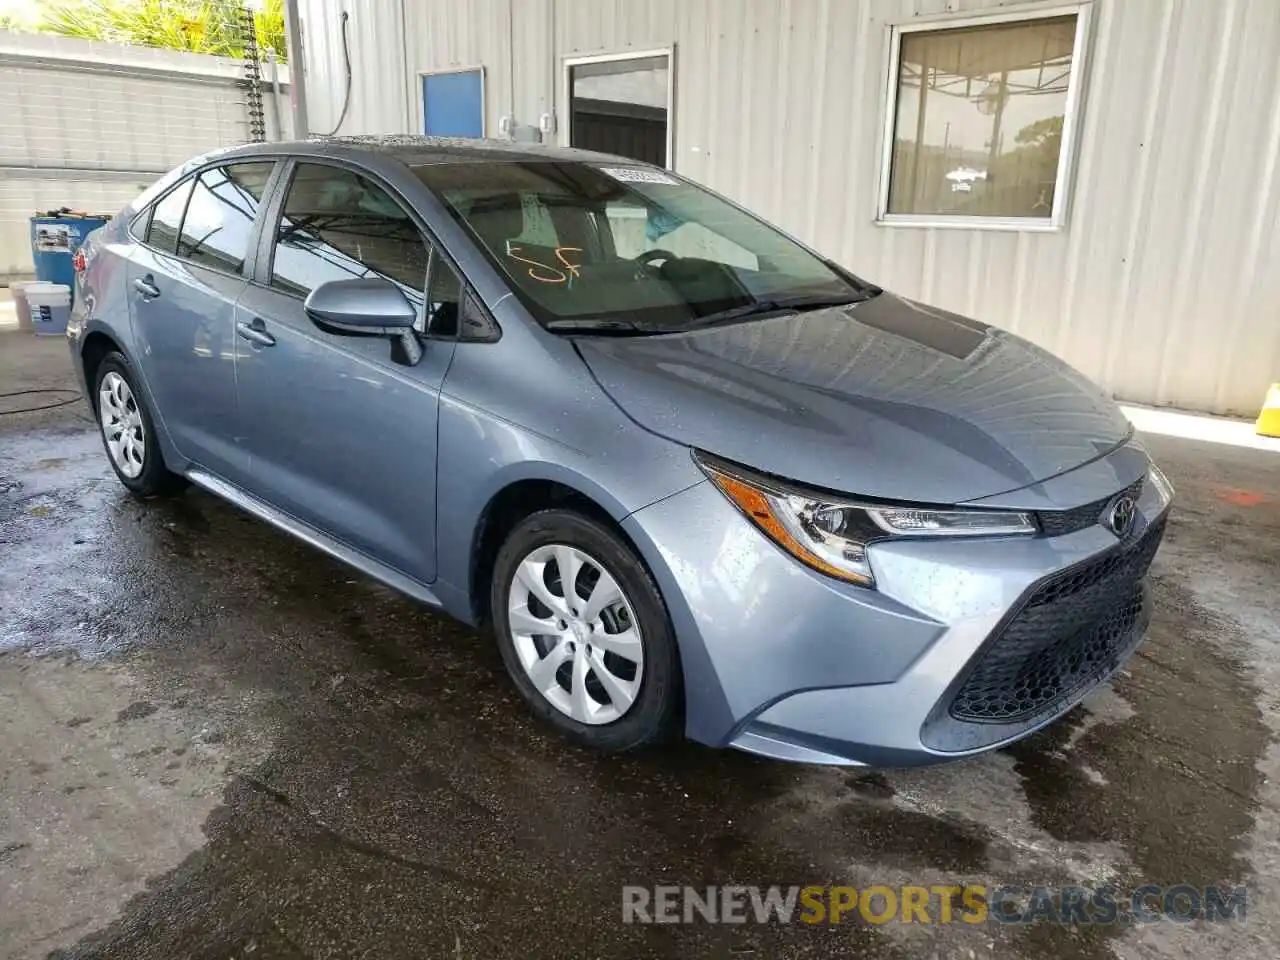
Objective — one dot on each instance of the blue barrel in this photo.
(54, 239)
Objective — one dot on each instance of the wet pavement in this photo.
(217, 742)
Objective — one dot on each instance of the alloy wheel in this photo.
(575, 633)
(122, 424)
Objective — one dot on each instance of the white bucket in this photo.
(20, 305)
(49, 306)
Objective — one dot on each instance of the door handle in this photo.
(146, 286)
(255, 332)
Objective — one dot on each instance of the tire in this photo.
(134, 454)
(654, 712)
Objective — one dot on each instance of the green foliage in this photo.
(199, 26)
(1042, 133)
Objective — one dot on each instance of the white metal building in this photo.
(1098, 176)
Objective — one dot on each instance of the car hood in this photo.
(886, 398)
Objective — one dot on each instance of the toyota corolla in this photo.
(694, 476)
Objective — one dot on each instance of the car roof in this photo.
(417, 151)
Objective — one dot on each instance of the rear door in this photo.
(183, 281)
(339, 434)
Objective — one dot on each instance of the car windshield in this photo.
(617, 248)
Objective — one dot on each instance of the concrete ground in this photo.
(216, 742)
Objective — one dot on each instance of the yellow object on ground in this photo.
(1269, 418)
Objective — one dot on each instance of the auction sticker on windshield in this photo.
(636, 175)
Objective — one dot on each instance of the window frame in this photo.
(421, 78)
(1057, 218)
(253, 243)
(566, 91)
(263, 259)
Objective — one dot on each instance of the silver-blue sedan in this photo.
(694, 476)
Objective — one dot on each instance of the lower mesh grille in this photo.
(1066, 635)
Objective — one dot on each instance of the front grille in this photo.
(1065, 636)
(1055, 523)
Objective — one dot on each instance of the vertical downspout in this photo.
(411, 75)
(273, 67)
(511, 62)
(297, 69)
(555, 68)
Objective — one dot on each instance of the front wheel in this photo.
(128, 433)
(584, 633)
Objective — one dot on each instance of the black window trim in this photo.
(272, 209)
(190, 177)
(466, 296)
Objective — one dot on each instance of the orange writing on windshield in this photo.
(545, 273)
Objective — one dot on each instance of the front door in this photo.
(339, 435)
(183, 283)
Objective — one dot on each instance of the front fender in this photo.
(481, 454)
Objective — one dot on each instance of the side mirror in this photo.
(364, 306)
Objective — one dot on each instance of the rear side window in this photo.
(220, 214)
(166, 218)
(337, 225)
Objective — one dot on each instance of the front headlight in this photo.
(831, 534)
(1161, 484)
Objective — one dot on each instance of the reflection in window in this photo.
(215, 230)
(978, 119)
(337, 225)
(623, 243)
(637, 231)
(162, 233)
(443, 299)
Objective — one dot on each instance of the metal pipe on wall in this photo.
(273, 66)
(297, 69)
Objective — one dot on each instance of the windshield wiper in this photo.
(778, 305)
(628, 328)
(621, 328)
(864, 287)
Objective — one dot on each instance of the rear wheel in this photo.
(127, 431)
(584, 633)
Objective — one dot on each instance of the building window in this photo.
(981, 121)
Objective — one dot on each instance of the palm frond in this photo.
(201, 26)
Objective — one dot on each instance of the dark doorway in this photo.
(621, 105)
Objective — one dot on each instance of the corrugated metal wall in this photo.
(89, 125)
(1164, 285)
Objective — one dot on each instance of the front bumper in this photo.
(782, 661)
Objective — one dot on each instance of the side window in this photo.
(451, 311)
(444, 297)
(476, 324)
(337, 225)
(220, 215)
(166, 218)
(141, 222)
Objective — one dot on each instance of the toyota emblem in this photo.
(1121, 516)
